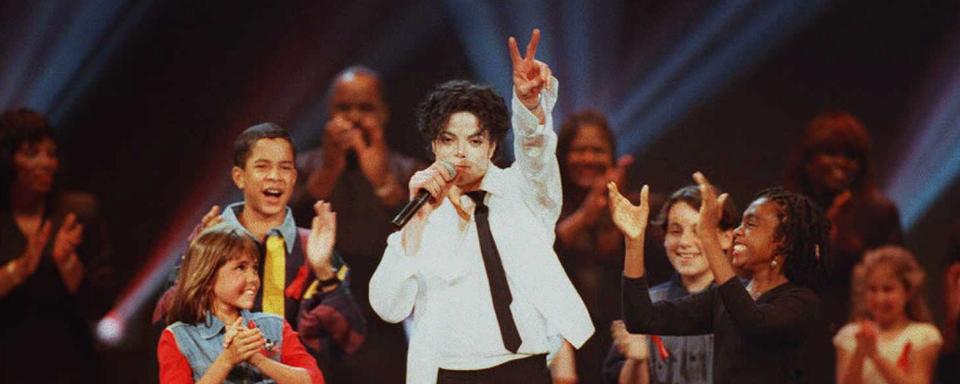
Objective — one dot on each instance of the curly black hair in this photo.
(804, 234)
(451, 97)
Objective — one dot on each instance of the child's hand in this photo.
(232, 331)
(630, 345)
(867, 338)
(323, 235)
(630, 219)
(243, 345)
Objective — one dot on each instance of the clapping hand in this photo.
(595, 203)
(630, 219)
(867, 338)
(241, 343)
(323, 235)
(372, 154)
(28, 262)
(630, 345)
(711, 206)
(68, 238)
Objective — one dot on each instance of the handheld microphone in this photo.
(418, 201)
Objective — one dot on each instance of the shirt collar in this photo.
(288, 229)
(495, 181)
(212, 326)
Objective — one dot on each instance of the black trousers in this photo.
(528, 370)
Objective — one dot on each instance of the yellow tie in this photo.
(274, 275)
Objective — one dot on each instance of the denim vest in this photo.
(202, 343)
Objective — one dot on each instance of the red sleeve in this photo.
(174, 367)
(294, 354)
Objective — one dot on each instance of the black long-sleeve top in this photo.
(774, 339)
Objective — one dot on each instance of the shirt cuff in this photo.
(526, 122)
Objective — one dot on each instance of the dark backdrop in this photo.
(152, 130)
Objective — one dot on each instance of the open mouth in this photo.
(273, 194)
(687, 258)
(738, 248)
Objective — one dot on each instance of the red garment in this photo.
(174, 367)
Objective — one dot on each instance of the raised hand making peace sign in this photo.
(530, 75)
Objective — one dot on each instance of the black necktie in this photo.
(499, 290)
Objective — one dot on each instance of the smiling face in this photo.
(886, 296)
(589, 157)
(832, 171)
(755, 241)
(236, 284)
(682, 243)
(267, 178)
(469, 148)
(35, 164)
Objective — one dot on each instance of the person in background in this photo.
(588, 244)
(52, 250)
(355, 170)
(831, 165)
(890, 338)
(673, 359)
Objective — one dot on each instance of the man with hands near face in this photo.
(355, 170)
(475, 266)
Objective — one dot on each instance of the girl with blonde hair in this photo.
(890, 338)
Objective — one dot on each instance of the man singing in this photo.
(475, 266)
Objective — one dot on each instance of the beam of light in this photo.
(477, 28)
(742, 48)
(931, 161)
(659, 36)
(61, 49)
(677, 63)
(589, 41)
(156, 271)
(579, 21)
(398, 42)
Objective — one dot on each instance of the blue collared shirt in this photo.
(231, 216)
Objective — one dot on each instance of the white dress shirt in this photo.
(444, 286)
